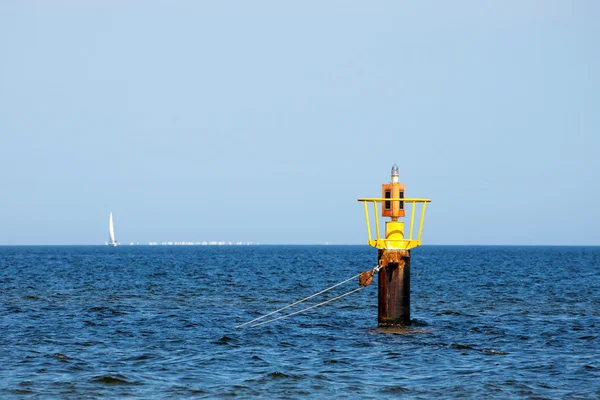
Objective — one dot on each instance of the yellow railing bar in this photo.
(380, 199)
(422, 218)
(376, 219)
(414, 202)
(412, 219)
(367, 217)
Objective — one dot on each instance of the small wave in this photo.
(187, 391)
(587, 337)
(455, 313)
(459, 346)
(394, 390)
(61, 357)
(350, 307)
(277, 375)
(224, 340)
(23, 391)
(322, 377)
(141, 357)
(88, 343)
(494, 352)
(449, 312)
(401, 330)
(418, 322)
(107, 310)
(112, 380)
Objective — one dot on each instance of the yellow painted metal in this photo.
(412, 219)
(395, 229)
(422, 218)
(408, 199)
(367, 217)
(376, 219)
(394, 234)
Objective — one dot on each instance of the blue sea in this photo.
(159, 322)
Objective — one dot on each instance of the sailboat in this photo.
(111, 232)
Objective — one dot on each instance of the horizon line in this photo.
(292, 244)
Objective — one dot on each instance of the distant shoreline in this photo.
(292, 245)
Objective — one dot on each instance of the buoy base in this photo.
(394, 288)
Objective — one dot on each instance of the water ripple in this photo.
(488, 322)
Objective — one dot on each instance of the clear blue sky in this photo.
(266, 120)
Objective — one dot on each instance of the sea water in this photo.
(159, 322)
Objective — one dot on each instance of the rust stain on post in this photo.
(394, 288)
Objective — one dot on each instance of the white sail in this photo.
(111, 232)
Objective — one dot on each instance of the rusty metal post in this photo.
(394, 288)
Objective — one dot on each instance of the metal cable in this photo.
(308, 308)
(303, 300)
(298, 302)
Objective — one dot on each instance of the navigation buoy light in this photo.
(394, 249)
(393, 206)
(393, 209)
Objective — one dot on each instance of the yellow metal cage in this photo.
(395, 241)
